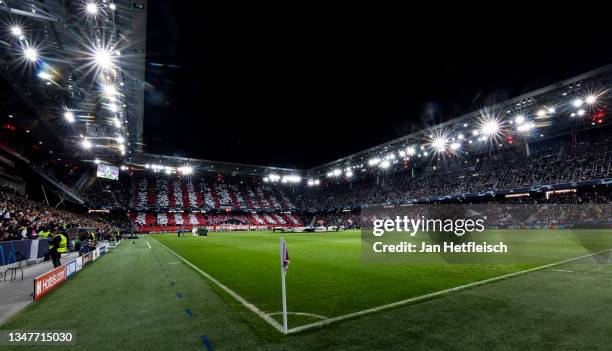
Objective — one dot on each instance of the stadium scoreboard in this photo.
(107, 171)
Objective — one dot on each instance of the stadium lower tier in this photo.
(176, 221)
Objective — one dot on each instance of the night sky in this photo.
(301, 87)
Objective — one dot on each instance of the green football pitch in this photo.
(329, 281)
(141, 296)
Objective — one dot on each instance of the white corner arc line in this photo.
(231, 292)
(300, 314)
(431, 295)
(149, 245)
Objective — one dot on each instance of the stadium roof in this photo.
(559, 108)
(79, 65)
(568, 106)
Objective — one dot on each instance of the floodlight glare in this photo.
(91, 8)
(439, 143)
(86, 144)
(103, 58)
(525, 127)
(109, 90)
(385, 164)
(336, 172)
(519, 119)
(490, 127)
(185, 170)
(591, 99)
(581, 112)
(411, 150)
(349, 174)
(455, 146)
(16, 30)
(69, 116)
(120, 139)
(577, 102)
(30, 53)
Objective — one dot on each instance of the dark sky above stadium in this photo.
(299, 87)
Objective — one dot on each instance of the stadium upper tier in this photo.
(568, 160)
(189, 193)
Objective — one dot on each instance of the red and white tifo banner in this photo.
(46, 282)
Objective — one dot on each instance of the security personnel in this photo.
(54, 247)
(44, 234)
(63, 245)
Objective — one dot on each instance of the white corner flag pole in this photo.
(284, 290)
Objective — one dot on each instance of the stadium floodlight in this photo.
(266, 179)
(97, 161)
(490, 127)
(123, 167)
(373, 161)
(310, 182)
(91, 8)
(526, 127)
(117, 122)
(411, 151)
(120, 139)
(86, 144)
(103, 58)
(541, 113)
(577, 102)
(475, 132)
(455, 146)
(337, 172)
(348, 174)
(385, 164)
(581, 112)
(402, 153)
(460, 137)
(520, 119)
(274, 177)
(16, 30)
(439, 143)
(112, 6)
(317, 182)
(30, 53)
(591, 99)
(551, 110)
(185, 170)
(69, 116)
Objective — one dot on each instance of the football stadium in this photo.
(172, 180)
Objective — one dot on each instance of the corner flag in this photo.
(284, 255)
(284, 261)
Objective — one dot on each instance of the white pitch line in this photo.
(434, 294)
(231, 292)
(562, 270)
(300, 314)
(148, 244)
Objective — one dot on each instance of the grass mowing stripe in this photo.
(434, 294)
(232, 293)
